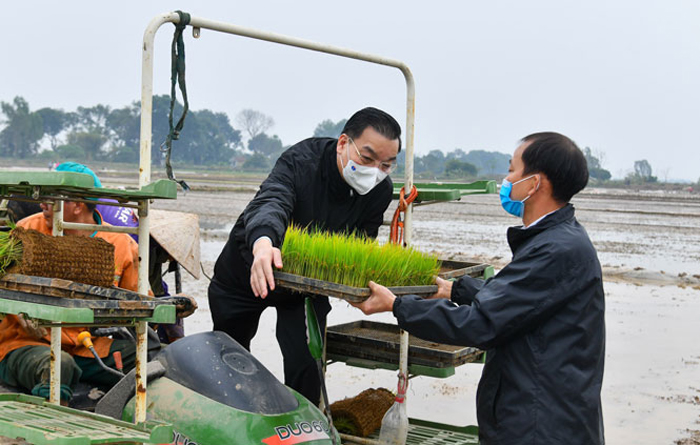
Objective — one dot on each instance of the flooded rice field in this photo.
(649, 246)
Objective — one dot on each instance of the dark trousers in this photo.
(28, 368)
(237, 313)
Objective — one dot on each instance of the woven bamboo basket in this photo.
(75, 258)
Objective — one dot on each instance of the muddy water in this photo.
(649, 245)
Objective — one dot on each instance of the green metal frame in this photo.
(56, 187)
(163, 313)
(45, 184)
(421, 432)
(43, 423)
(446, 191)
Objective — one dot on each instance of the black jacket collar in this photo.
(519, 234)
(336, 184)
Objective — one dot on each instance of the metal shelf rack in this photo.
(108, 308)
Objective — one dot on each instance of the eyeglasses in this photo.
(386, 167)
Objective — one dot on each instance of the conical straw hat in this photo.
(178, 234)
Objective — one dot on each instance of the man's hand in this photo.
(380, 299)
(444, 289)
(31, 327)
(264, 256)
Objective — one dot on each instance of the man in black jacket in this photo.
(337, 185)
(540, 319)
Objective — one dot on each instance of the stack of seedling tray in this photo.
(376, 345)
(80, 302)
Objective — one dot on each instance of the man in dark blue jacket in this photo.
(540, 319)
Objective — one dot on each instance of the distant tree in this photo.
(257, 162)
(642, 170)
(489, 163)
(160, 127)
(91, 130)
(400, 164)
(70, 152)
(54, 121)
(329, 129)
(454, 168)
(47, 155)
(600, 174)
(270, 147)
(124, 125)
(90, 142)
(595, 165)
(642, 173)
(254, 122)
(23, 131)
(208, 138)
(125, 154)
(433, 163)
(591, 160)
(93, 118)
(457, 153)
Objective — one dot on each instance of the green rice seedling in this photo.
(354, 261)
(10, 251)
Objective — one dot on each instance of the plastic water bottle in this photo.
(394, 430)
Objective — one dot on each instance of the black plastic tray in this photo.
(450, 269)
(379, 342)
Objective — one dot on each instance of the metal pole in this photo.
(147, 104)
(80, 226)
(142, 326)
(55, 373)
(144, 224)
(55, 376)
(408, 214)
(141, 361)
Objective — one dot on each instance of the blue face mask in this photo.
(515, 208)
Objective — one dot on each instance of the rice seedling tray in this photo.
(449, 269)
(379, 343)
(352, 294)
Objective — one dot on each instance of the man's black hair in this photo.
(560, 159)
(382, 123)
(91, 206)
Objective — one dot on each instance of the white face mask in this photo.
(361, 177)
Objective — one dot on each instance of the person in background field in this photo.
(540, 319)
(24, 347)
(337, 185)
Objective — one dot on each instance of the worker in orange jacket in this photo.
(24, 347)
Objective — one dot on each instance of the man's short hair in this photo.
(560, 159)
(381, 121)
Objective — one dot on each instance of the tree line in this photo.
(209, 138)
(102, 133)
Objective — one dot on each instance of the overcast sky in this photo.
(619, 76)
